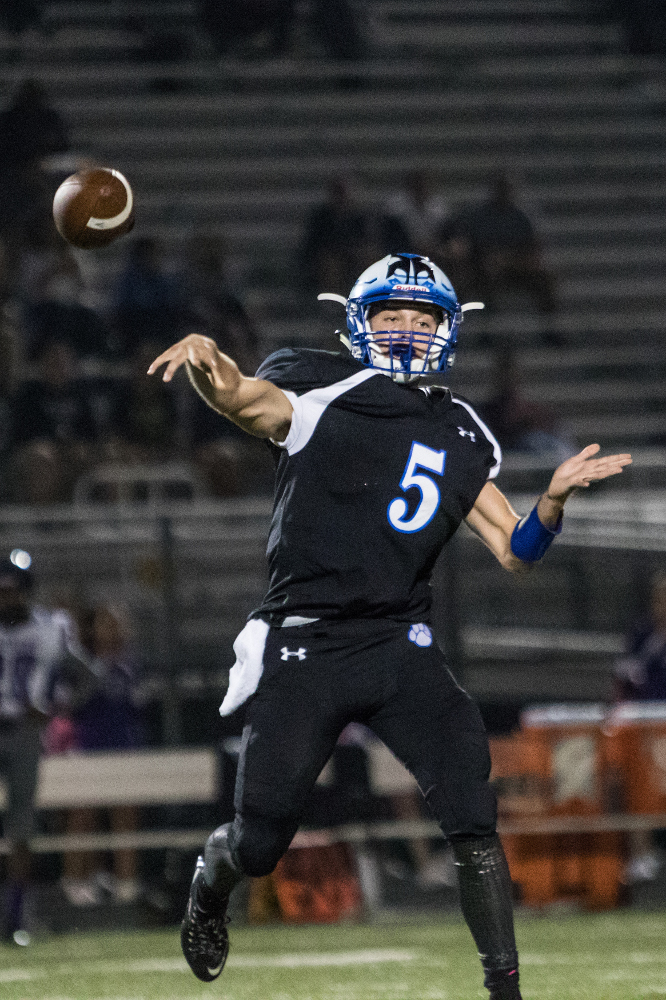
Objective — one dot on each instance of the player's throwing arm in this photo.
(519, 543)
(257, 406)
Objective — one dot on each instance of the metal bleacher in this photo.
(243, 146)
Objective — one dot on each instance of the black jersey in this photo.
(373, 479)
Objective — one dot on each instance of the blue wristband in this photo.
(530, 538)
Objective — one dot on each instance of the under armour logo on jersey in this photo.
(286, 653)
(463, 433)
(420, 634)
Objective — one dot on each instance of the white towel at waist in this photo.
(246, 672)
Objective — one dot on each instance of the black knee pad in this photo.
(260, 842)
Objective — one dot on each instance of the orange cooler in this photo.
(559, 765)
(636, 750)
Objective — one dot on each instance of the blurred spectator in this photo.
(35, 645)
(11, 340)
(219, 447)
(336, 24)
(19, 15)
(519, 423)
(221, 456)
(383, 234)
(58, 310)
(641, 676)
(39, 255)
(146, 415)
(148, 301)
(643, 21)
(266, 27)
(30, 129)
(158, 43)
(331, 254)
(342, 238)
(53, 427)
(213, 308)
(6, 288)
(109, 720)
(220, 451)
(11, 357)
(8, 368)
(420, 211)
(267, 23)
(491, 248)
(133, 421)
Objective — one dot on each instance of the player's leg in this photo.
(20, 751)
(433, 726)
(292, 723)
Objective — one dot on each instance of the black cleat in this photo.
(203, 932)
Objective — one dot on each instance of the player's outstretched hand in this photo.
(202, 353)
(582, 469)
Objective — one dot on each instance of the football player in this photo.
(37, 649)
(377, 464)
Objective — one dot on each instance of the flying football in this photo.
(92, 208)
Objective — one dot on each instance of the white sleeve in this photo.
(295, 421)
(310, 407)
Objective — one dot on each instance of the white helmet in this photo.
(407, 356)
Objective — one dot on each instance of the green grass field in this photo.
(621, 956)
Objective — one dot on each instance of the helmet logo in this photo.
(414, 268)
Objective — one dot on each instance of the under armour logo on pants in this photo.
(286, 653)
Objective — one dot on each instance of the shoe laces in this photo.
(204, 928)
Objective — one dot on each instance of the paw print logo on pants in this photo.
(420, 634)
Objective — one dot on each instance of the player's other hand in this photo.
(582, 469)
(202, 353)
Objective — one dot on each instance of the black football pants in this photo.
(392, 677)
(319, 677)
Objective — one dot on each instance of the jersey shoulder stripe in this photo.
(310, 407)
(497, 451)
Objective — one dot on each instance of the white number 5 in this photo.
(424, 458)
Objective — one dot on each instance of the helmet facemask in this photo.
(407, 355)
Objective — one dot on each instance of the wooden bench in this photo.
(182, 776)
(151, 778)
